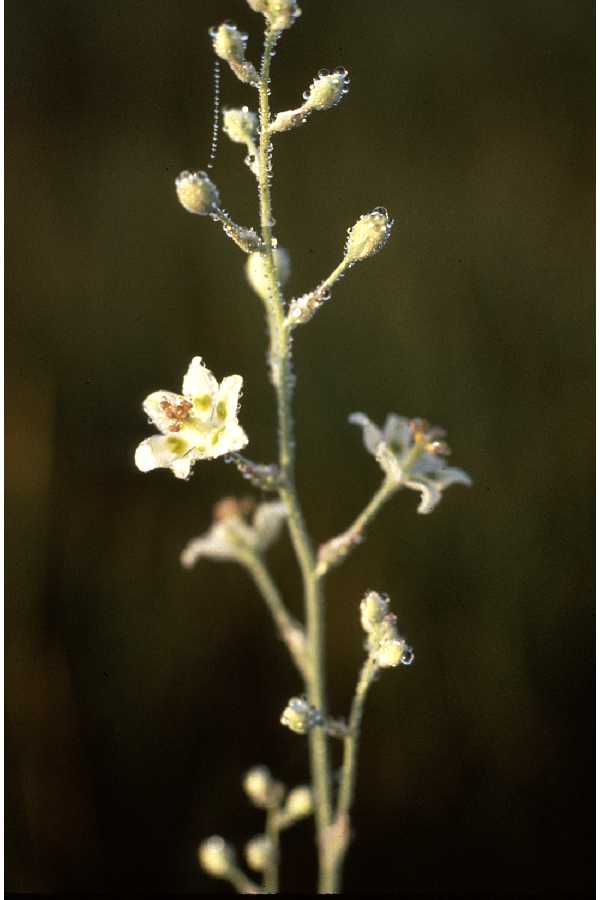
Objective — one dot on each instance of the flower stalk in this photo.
(281, 364)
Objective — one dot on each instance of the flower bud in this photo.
(260, 852)
(258, 785)
(373, 609)
(369, 235)
(240, 125)
(392, 653)
(299, 802)
(280, 14)
(216, 856)
(300, 716)
(256, 271)
(197, 193)
(229, 44)
(327, 89)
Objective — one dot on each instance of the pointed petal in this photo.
(267, 523)
(213, 544)
(199, 382)
(372, 435)
(397, 433)
(452, 475)
(430, 493)
(227, 399)
(159, 452)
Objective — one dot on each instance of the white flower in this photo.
(410, 453)
(201, 423)
(232, 536)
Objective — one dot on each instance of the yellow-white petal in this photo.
(227, 399)
(199, 382)
(160, 452)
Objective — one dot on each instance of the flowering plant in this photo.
(201, 423)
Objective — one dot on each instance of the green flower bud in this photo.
(327, 89)
(256, 271)
(369, 235)
(240, 125)
(373, 610)
(259, 786)
(260, 852)
(299, 803)
(197, 193)
(394, 652)
(300, 716)
(216, 856)
(280, 14)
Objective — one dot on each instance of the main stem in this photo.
(281, 374)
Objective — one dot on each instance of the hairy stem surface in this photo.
(281, 374)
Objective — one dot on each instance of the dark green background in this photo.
(137, 693)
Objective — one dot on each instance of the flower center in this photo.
(176, 413)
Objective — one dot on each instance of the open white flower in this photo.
(232, 536)
(200, 423)
(411, 453)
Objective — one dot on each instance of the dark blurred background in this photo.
(136, 693)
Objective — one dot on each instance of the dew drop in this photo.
(323, 73)
(341, 70)
(381, 211)
(408, 656)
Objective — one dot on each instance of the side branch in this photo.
(338, 548)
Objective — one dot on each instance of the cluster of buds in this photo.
(300, 716)
(280, 14)
(326, 91)
(229, 44)
(384, 644)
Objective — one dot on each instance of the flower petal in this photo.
(430, 493)
(159, 452)
(372, 435)
(267, 522)
(397, 433)
(214, 545)
(153, 407)
(227, 439)
(389, 462)
(226, 401)
(452, 475)
(199, 382)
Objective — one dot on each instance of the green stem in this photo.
(336, 550)
(241, 882)
(271, 881)
(348, 777)
(282, 379)
(291, 631)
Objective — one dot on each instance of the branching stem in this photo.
(281, 373)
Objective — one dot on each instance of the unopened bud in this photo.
(393, 653)
(280, 14)
(216, 856)
(369, 235)
(197, 193)
(260, 852)
(300, 716)
(258, 785)
(256, 271)
(240, 125)
(229, 44)
(299, 803)
(327, 89)
(373, 609)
